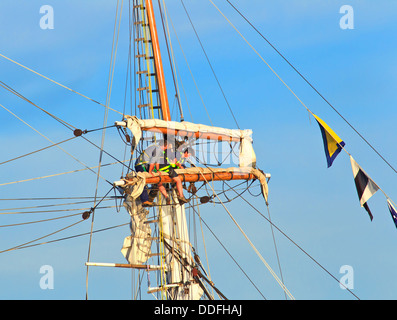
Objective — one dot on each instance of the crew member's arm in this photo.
(180, 166)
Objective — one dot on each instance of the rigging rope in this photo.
(63, 86)
(307, 81)
(275, 246)
(52, 143)
(107, 153)
(45, 236)
(176, 65)
(28, 154)
(37, 221)
(53, 211)
(251, 244)
(171, 56)
(285, 235)
(71, 237)
(209, 62)
(50, 198)
(293, 242)
(8, 88)
(57, 144)
(258, 54)
(202, 236)
(299, 98)
(62, 173)
(110, 84)
(49, 205)
(230, 255)
(128, 77)
(191, 73)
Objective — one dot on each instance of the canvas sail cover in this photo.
(247, 157)
(137, 247)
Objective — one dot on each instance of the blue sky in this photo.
(316, 207)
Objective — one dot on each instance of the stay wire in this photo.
(49, 141)
(293, 242)
(50, 198)
(57, 83)
(48, 205)
(282, 285)
(57, 144)
(275, 248)
(170, 60)
(177, 73)
(71, 237)
(5, 86)
(107, 153)
(45, 236)
(108, 94)
(38, 221)
(230, 255)
(92, 130)
(308, 82)
(191, 74)
(299, 247)
(127, 77)
(62, 173)
(54, 211)
(210, 64)
(30, 153)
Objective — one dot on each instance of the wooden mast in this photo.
(195, 177)
(165, 110)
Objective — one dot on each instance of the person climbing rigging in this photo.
(169, 167)
(150, 159)
(182, 155)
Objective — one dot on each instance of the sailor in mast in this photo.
(149, 160)
(171, 162)
(182, 154)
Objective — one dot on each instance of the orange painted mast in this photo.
(165, 110)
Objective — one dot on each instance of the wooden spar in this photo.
(203, 174)
(189, 177)
(158, 62)
(197, 135)
(164, 287)
(123, 265)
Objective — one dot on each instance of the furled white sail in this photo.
(137, 247)
(247, 157)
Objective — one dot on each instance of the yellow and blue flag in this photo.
(332, 143)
